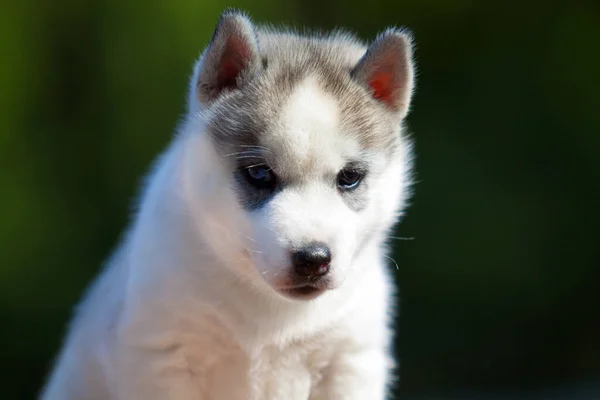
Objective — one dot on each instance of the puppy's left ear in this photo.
(387, 70)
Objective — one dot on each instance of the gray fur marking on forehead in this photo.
(243, 116)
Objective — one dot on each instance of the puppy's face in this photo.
(310, 153)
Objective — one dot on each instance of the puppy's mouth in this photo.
(306, 290)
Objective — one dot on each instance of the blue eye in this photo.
(259, 176)
(348, 179)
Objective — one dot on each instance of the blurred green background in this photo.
(500, 289)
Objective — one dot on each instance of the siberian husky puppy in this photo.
(255, 266)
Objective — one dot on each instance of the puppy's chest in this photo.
(290, 372)
(224, 370)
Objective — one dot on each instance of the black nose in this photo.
(312, 260)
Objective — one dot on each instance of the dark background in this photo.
(500, 289)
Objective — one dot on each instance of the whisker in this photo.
(254, 146)
(256, 165)
(247, 237)
(246, 156)
(394, 261)
(245, 152)
(401, 238)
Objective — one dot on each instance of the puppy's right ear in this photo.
(231, 56)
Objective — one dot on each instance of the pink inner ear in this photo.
(233, 61)
(383, 87)
(228, 74)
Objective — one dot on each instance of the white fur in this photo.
(188, 308)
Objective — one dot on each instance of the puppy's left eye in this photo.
(349, 179)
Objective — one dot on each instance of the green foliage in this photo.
(501, 286)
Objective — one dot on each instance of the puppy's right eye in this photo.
(260, 176)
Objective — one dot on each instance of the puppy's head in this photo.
(308, 159)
